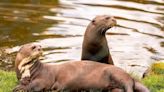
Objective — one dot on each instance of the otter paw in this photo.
(19, 89)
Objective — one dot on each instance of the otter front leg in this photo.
(34, 86)
(20, 88)
(37, 85)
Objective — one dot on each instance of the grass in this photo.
(7, 81)
(154, 81)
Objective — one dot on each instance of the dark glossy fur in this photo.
(73, 76)
(95, 45)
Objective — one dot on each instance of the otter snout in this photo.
(111, 21)
(36, 47)
(37, 50)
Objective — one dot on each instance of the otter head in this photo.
(101, 24)
(28, 53)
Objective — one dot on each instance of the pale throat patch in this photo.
(25, 69)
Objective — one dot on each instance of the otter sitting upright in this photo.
(95, 45)
(22, 54)
(72, 76)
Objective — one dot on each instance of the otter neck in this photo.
(35, 68)
(95, 45)
(30, 69)
(96, 34)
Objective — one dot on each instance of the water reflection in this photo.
(59, 27)
(19, 21)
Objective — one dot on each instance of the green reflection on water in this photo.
(44, 2)
(21, 19)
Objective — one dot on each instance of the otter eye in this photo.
(93, 21)
(33, 47)
(107, 18)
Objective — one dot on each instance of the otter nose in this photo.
(113, 19)
(110, 17)
(39, 48)
(107, 17)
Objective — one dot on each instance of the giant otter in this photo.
(70, 76)
(95, 45)
(22, 54)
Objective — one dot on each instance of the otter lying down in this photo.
(70, 76)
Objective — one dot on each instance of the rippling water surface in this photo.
(59, 26)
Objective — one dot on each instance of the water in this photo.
(59, 26)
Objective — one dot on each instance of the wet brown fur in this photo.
(72, 76)
(95, 47)
(24, 52)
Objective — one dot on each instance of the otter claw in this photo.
(19, 89)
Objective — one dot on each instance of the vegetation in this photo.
(7, 81)
(154, 81)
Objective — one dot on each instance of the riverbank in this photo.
(154, 80)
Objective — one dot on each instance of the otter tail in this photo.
(138, 87)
